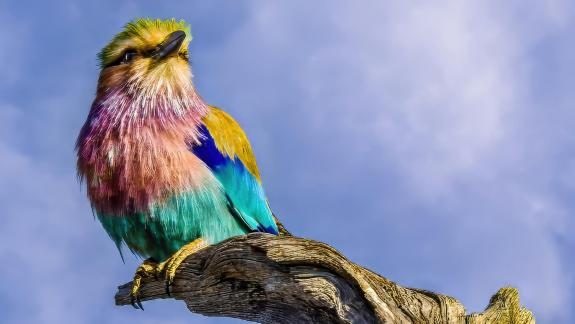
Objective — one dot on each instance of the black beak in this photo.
(171, 44)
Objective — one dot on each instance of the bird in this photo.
(166, 174)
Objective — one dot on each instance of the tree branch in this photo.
(285, 279)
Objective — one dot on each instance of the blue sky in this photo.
(431, 143)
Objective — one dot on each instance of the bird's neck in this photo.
(167, 109)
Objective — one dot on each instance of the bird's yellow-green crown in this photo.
(142, 34)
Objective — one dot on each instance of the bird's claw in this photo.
(147, 269)
(171, 265)
(135, 293)
(152, 269)
(168, 286)
(136, 302)
(171, 273)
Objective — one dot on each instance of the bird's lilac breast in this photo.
(127, 169)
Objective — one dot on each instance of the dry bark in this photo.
(285, 279)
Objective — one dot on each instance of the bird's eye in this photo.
(129, 56)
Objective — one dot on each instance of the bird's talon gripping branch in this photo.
(147, 269)
(172, 264)
(134, 296)
(136, 302)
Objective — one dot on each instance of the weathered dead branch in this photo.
(285, 279)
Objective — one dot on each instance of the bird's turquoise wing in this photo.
(227, 152)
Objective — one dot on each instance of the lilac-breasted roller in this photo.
(166, 174)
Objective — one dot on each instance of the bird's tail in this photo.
(282, 230)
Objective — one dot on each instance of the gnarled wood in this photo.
(285, 279)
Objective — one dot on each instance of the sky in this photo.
(431, 142)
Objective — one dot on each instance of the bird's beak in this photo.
(171, 44)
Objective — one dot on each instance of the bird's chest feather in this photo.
(128, 173)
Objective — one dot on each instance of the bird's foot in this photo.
(147, 269)
(172, 264)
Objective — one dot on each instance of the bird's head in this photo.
(147, 62)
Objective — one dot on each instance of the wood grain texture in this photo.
(285, 279)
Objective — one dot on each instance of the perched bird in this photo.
(166, 174)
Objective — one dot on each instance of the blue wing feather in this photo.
(244, 191)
